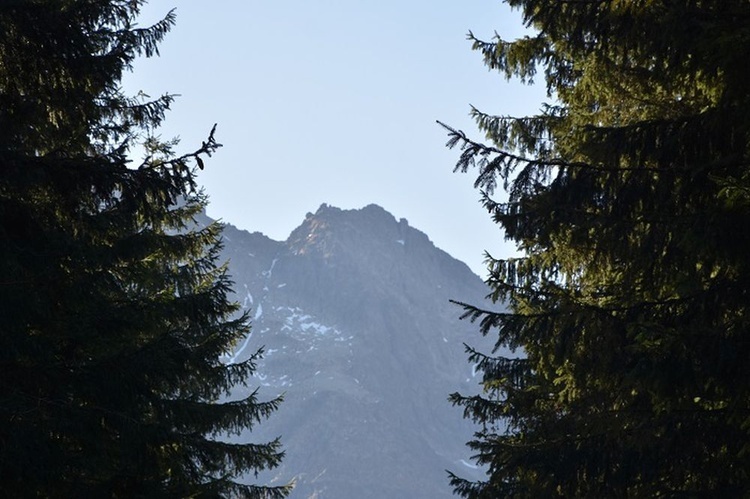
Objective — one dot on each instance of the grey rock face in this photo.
(353, 310)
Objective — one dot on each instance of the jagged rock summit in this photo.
(353, 309)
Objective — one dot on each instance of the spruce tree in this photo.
(113, 305)
(629, 198)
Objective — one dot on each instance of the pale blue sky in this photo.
(335, 101)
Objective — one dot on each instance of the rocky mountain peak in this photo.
(332, 229)
(354, 311)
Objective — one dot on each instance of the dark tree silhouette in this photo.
(630, 200)
(113, 308)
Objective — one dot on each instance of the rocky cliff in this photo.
(353, 310)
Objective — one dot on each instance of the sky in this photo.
(336, 101)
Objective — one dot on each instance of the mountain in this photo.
(353, 310)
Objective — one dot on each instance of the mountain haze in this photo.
(353, 310)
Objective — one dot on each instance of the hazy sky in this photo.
(335, 101)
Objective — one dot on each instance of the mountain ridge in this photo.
(353, 308)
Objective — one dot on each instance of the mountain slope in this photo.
(354, 312)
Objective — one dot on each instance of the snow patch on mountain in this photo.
(268, 273)
(303, 326)
(468, 464)
(231, 359)
(247, 302)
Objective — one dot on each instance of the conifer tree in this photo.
(113, 307)
(629, 198)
